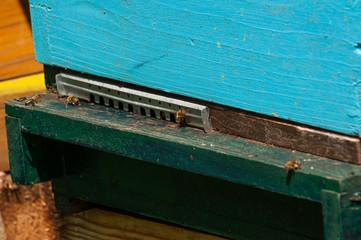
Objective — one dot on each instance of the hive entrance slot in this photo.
(132, 100)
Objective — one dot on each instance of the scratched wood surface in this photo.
(17, 57)
(160, 142)
(295, 60)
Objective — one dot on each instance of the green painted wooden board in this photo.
(230, 158)
(94, 153)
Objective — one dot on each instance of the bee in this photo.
(181, 117)
(72, 101)
(33, 100)
(293, 165)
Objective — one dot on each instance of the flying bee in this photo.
(33, 100)
(181, 117)
(293, 165)
(72, 101)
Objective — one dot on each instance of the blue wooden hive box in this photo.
(295, 60)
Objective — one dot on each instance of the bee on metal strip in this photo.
(181, 117)
(33, 100)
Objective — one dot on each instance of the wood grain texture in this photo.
(17, 57)
(12, 13)
(100, 224)
(290, 59)
(301, 138)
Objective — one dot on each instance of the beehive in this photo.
(295, 60)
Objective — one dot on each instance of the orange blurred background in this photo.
(17, 60)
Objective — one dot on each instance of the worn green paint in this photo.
(342, 217)
(233, 159)
(332, 215)
(17, 158)
(212, 182)
(29, 166)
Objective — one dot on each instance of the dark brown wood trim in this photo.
(300, 138)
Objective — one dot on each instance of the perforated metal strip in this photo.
(132, 100)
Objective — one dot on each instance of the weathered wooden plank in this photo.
(289, 59)
(342, 215)
(292, 136)
(101, 224)
(234, 159)
(332, 215)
